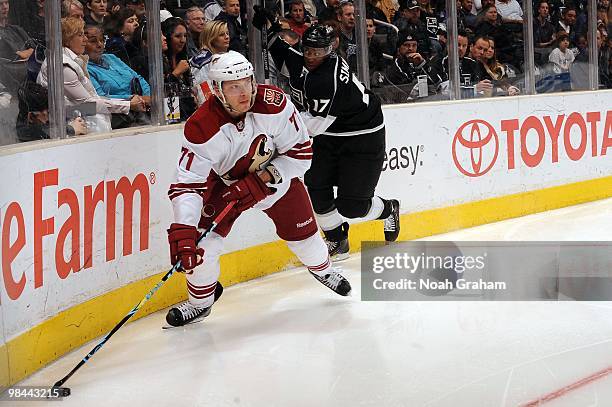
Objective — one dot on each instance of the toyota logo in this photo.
(478, 149)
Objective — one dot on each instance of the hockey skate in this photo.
(187, 313)
(334, 281)
(337, 242)
(392, 222)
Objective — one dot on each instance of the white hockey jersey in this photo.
(271, 133)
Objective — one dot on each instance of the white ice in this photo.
(285, 340)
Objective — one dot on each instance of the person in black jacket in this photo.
(237, 29)
(408, 64)
(347, 124)
(33, 119)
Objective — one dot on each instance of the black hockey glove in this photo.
(263, 16)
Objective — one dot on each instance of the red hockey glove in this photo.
(247, 191)
(182, 239)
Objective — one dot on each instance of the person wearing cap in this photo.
(409, 19)
(408, 64)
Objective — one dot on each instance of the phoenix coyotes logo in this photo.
(254, 160)
(273, 97)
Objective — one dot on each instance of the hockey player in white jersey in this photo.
(247, 144)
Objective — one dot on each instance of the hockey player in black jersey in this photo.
(346, 121)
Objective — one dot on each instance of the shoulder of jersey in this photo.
(269, 100)
(205, 122)
(201, 59)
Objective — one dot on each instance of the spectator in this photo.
(329, 12)
(485, 4)
(602, 17)
(296, 21)
(15, 49)
(510, 11)
(96, 12)
(582, 47)
(562, 57)
(429, 18)
(348, 44)
(543, 30)
(237, 31)
(432, 23)
(78, 89)
(376, 60)
(489, 26)
(467, 20)
(35, 26)
(179, 81)
(409, 20)
(497, 72)
(120, 29)
(72, 8)
(211, 9)
(471, 70)
(389, 7)
(112, 78)
(137, 7)
(605, 60)
(33, 118)
(140, 63)
(375, 12)
(194, 17)
(214, 39)
(568, 22)
(408, 64)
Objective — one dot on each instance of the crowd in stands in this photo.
(106, 67)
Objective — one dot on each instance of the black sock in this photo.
(386, 210)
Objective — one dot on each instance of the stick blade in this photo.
(61, 391)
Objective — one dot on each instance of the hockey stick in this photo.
(265, 54)
(174, 268)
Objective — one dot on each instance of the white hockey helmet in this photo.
(230, 66)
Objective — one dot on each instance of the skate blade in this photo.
(195, 321)
(340, 257)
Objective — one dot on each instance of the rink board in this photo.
(453, 165)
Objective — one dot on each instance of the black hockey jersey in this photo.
(331, 99)
(470, 71)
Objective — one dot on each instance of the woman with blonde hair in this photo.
(214, 39)
(78, 88)
(498, 72)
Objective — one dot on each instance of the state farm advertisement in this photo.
(480, 149)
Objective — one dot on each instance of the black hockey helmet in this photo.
(318, 36)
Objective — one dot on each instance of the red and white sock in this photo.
(312, 252)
